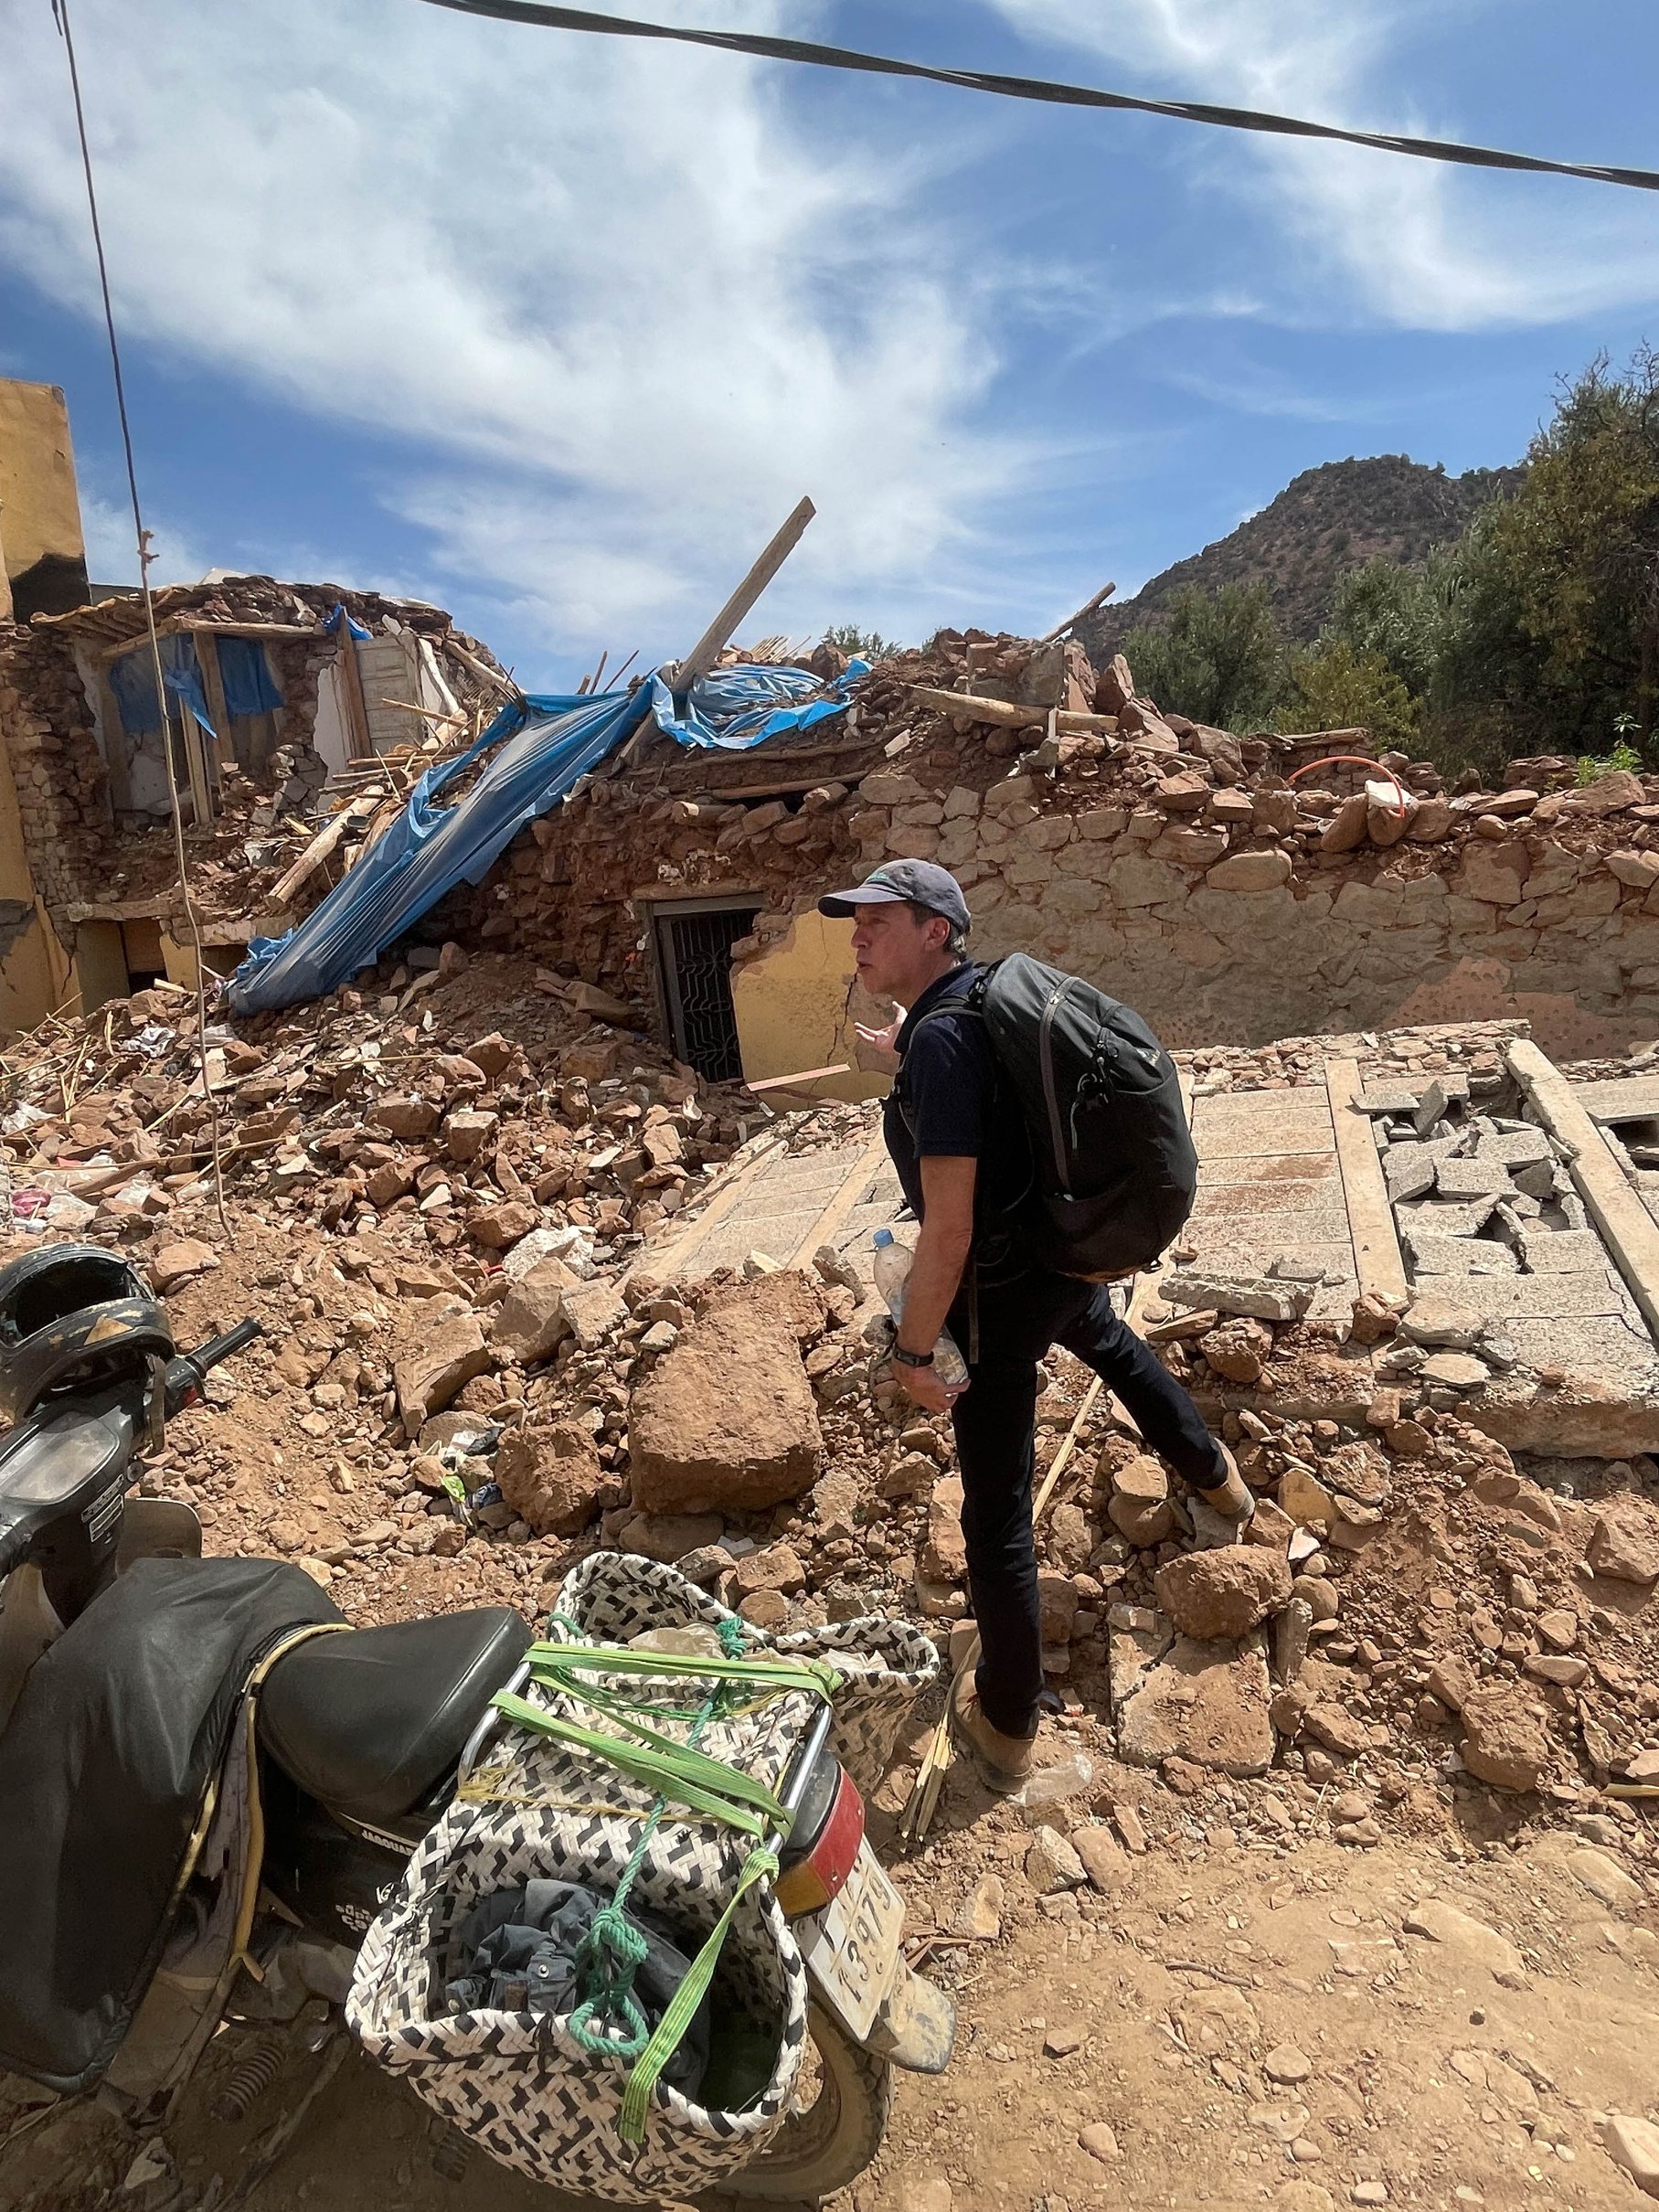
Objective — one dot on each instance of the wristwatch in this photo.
(913, 1359)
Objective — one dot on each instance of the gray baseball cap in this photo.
(920, 883)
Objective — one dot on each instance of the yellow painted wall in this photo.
(39, 506)
(792, 1006)
(33, 978)
(100, 963)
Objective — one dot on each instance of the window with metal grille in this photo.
(694, 950)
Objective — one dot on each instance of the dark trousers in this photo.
(995, 1424)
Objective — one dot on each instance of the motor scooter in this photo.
(320, 1757)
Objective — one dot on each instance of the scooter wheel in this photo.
(830, 2142)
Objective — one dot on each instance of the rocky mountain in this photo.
(1324, 522)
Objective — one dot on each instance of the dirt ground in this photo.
(1235, 2025)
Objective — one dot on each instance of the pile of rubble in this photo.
(389, 1111)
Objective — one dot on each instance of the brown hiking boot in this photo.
(1231, 1499)
(1002, 1762)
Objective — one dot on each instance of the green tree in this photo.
(1394, 614)
(1338, 688)
(866, 644)
(1220, 658)
(1578, 550)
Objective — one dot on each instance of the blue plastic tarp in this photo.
(332, 621)
(249, 686)
(132, 680)
(734, 709)
(537, 752)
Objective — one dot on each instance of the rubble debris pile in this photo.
(1181, 864)
(95, 835)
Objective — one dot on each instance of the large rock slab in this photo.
(550, 1477)
(1624, 1543)
(1223, 1595)
(1263, 1297)
(1506, 1743)
(1204, 1703)
(437, 1355)
(531, 1321)
(727, 1422)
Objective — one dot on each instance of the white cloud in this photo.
(113, 551)
(627, 311)
(1419, 245)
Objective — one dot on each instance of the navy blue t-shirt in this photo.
(948, 1101)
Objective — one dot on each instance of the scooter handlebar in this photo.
(186, 1374)
(221, 1347)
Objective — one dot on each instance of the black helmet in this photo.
(73, 1315)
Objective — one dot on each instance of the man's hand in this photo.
(883, 1043)
(886, 1039)
(922, 1386)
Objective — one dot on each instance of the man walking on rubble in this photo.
(958, 1141)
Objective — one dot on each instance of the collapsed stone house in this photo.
(1232, 887)
(282, 701)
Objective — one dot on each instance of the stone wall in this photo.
(1226, 905)
(46, 728)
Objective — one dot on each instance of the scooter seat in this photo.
(370, 1722)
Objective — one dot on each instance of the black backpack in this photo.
(1115, 1172)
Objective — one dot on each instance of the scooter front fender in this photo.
(158, 1528)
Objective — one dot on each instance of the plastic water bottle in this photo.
(892, 1267)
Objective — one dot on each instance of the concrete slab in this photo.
(1563, 1251)
(1268, 1169)
(1474, 1258)
(1242, 1124)
(1633, 1098)
(1546, 1297)
(1262, 1213)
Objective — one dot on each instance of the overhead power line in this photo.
(1043, 89)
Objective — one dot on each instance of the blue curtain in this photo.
(249, 686)
(133, 681)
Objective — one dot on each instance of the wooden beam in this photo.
(172, 623)
(1082, 615)
(1378, 1262)
(1009, 714)
(1627, 1229)
(357, 705)
(719, 634)
(485, 674)
(793, 1082)
(213, 687)
(318, 850)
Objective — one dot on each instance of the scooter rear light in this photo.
(807, 1883)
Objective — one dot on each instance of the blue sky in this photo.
(555, 330)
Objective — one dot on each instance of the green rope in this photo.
(609, 2019)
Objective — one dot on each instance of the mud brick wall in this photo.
(45, 726)
(1226, 905)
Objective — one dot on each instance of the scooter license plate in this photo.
(852, 1947)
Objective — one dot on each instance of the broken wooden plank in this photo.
(358, 735)
(793, 1082)
(1378, 1262)
(318, 850)
(1082, 615)
(485, 674)
(709, 647)
(1009, 714)
(1627, 1229)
